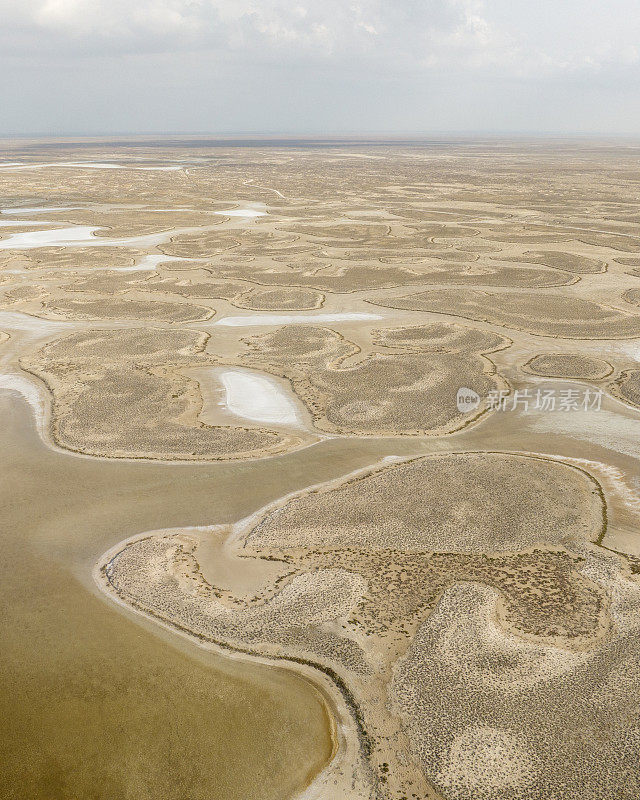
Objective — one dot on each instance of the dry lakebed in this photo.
(320, 474)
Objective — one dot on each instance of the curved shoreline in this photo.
(39, 398)
(340, 706)
(428, 632)
(62, 617)
(340, 701)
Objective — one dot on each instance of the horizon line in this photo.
(342, 137)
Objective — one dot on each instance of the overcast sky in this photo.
(319, 66)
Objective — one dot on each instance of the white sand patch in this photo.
(23, 323)
(266, 188)
(613, 479)
(358, 155)
(258, 398)
(71, 164)
(172, 168)
(141, 266)
(631, 349)
(255, 320)
(36, 210)
(616, 432)
(57, 237)
(84, 165)
(24, 223)
(242, 212)
(84, 236)
(25, 387)
(146, 263)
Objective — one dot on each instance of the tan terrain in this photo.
(383, 413)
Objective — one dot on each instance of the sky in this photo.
(319, 66)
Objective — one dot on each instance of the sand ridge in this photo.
(460, 610)
(351, 609)
(568, 365)
(559, 316)
(408, 392)
(120, 393)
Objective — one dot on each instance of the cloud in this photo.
(517, 37)
(411, 32)
(316, 64)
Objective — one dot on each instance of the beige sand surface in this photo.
(632, 296)
(95, 692)
(522, 604)
(627, 387)
(551, 315)
(115, 308)
(568, 365)
(404, 393)
(120, 393)
(462, 612)
(280, 299)
(571, 262)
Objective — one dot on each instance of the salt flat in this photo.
(78, 236)
(246, 372)
(242, 212)
(258, 319)
(84, 165)
(255, 397)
